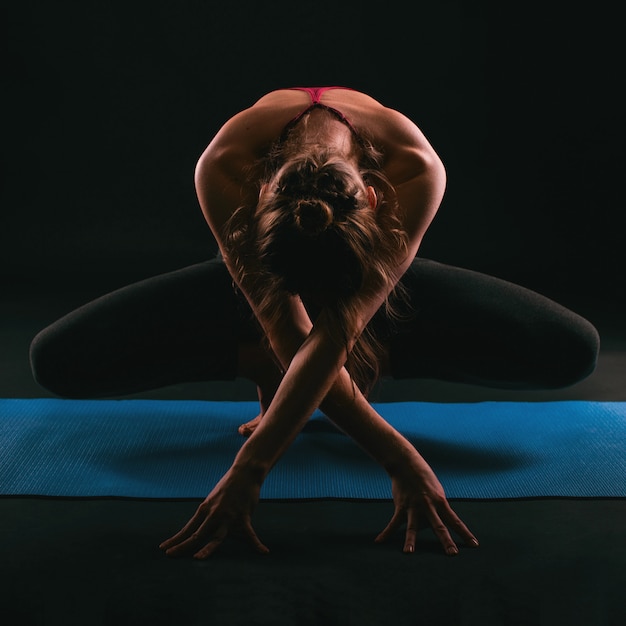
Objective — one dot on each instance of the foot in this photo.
(249, 427)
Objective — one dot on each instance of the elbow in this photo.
(435, 170)
(425, 165)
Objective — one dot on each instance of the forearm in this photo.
(306, 381)
(316, 379)
(351, 412)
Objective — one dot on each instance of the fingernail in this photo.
(410, 549)
(475, 542)
(452, 551)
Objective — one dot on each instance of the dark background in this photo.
(107, 106)
(110, 104)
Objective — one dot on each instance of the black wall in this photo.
(111, 103)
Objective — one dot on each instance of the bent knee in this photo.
(44, 362)
(52, 366)
(572, 354)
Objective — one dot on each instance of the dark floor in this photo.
(97, 562)
(543, 561)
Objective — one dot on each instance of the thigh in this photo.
(180, 326)
(465, 326)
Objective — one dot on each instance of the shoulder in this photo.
(406, 152)
(230, 158)
(404, 147)
(250, 131)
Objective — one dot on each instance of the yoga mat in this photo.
(180, 449)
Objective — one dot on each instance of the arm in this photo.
(314, 370)
(316, 373)
(314, 365)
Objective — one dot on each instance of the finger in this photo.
(395, 521)
(184, 546)
(456, 524)
(208, 549)
(188, 529)
(254, 539)
(208, 528)
(410, 537)
(441, 530)
(175, 540)
(190, 545)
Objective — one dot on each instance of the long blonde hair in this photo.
(315, 233)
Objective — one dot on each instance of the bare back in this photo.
(262, 124)
(408, 157)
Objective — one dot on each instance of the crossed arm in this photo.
(315, 377)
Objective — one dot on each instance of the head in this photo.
(316, 227)
(325, 227)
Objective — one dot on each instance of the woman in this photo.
(319, 200)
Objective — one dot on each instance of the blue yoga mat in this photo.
(180, 449)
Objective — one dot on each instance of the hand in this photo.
(225, 511)
(419, 500)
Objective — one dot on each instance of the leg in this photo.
(472, 328)
(183, 326)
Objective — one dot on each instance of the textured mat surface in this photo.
(179, 449)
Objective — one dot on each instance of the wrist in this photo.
(402, 459)
(250, 470)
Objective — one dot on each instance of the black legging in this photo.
(185, 326)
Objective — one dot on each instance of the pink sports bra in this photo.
(315, 94)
